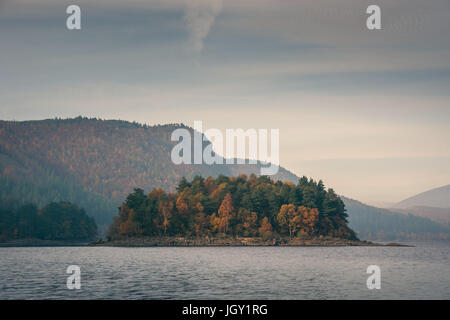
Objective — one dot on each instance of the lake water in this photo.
(421, 272)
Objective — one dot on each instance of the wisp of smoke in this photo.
(199, 17)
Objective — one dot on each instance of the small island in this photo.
(236, 211)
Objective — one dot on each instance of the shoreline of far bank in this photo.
(238, 242)
(30, 242)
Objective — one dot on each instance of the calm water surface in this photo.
(421, 272)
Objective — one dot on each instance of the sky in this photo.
(366, 111)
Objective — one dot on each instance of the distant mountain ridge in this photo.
(433, 204)
(437, 197)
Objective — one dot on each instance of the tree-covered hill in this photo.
(93, 163)
(97, 163)
(381, 224)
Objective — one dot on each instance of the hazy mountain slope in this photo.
(439, 215)
(381, 224)
(438, 197)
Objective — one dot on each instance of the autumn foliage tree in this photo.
(265, 230)
(248, 222)
(289, 218)
(226, 212)
(309, 219)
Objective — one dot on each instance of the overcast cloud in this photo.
(360, 109)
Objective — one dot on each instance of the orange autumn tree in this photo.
(165, 210)
(201, 221)
(289, 218)
(214, 221)
(182, 205)
(126, 225)
(226, 212)
(309, 219)
(247, 222)
(266, 228)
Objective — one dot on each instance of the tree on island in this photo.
(225, 213)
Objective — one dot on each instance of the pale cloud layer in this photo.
(366, 111)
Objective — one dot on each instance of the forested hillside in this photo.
(93, 163)
(96, 163)
(253, 207)
(381, 224)
(439, 215)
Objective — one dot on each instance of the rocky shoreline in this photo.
(43, 243)
(200, 242)
(235, 242)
